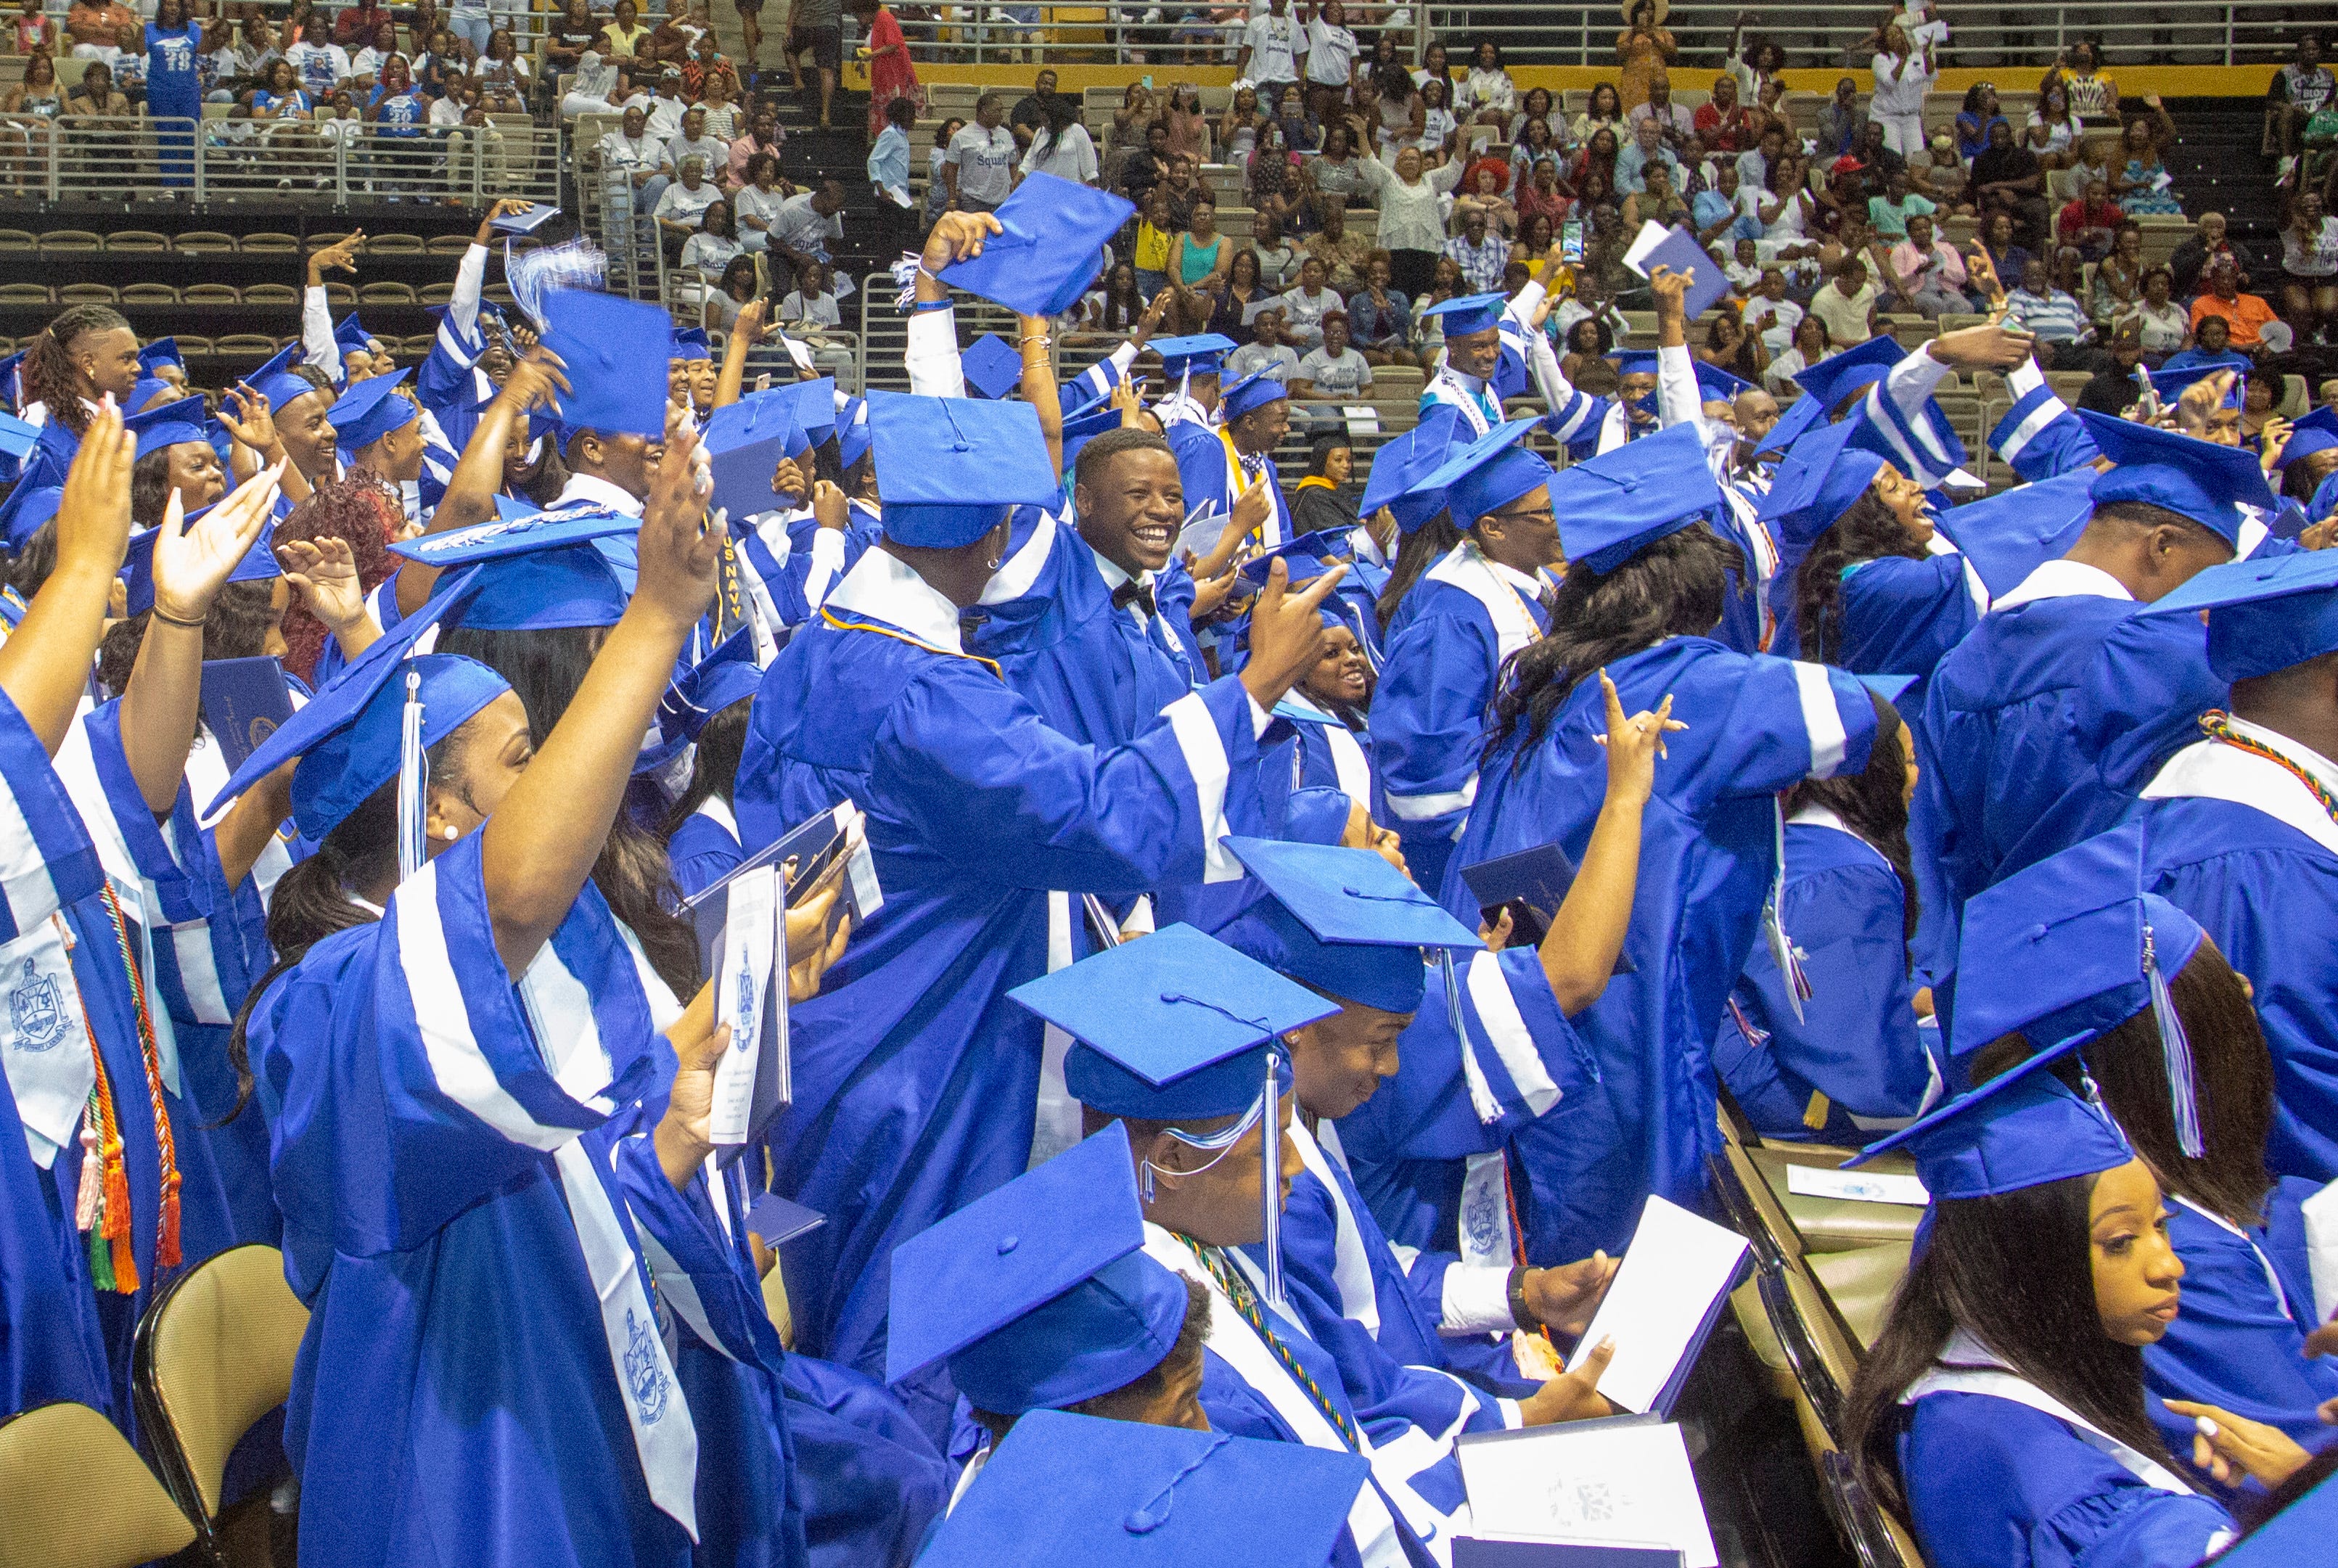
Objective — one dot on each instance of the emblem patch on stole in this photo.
(1481, 1217)
(645, 1378)
(36, 1010)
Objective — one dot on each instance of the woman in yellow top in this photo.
(2088, 87)
(625, 35)
(1642, 46)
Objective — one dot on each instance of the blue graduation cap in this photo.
(1253, 392)
(728, 674)
(1488, 474)
(1802, 415)
(2023, 1128)
(1201, 353)
(2009, 535)
(350, 337)
(1326, 918)
(171, 425)
(1082, 428)
(161, 351)
(2168, 386)
(1066, 1491)
(1890, 688)
(606, 343)
(533, 573)
(2317, 431)
(276, 382)
(950, 468)
(2299, 1533)
(257, 565)
(1718, 386)
(1038, 1294)
(527, 222)
(991, 367)
(852, 435)
(28, 507)
(1302, 558)
(370, 410)
(1838, 375)
(1049, 248)
(1624, 500)
(1471, 313)
(17, 438)
(2193, 478)
(2264, 613)
(1401, 465)
(690, 343)
(744, 451)
(349, 736)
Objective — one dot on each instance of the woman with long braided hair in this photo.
(86, 353)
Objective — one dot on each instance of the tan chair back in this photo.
(218, 1351)
(73, 1493)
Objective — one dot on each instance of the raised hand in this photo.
(1633, 744)
(957, 237)
(509, 207)
(248, 418)
(191, 562)
(1497, 936)
(1989, 346)
(1286, 632)
(323, 574)
(829, 507)
(812, 944)
(339, 257)
(679, 554)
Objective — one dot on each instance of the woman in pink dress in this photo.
(887, 53)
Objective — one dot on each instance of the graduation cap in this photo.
(1468, 314)
(1038, 1294)
(950, 468)
(1328, 919)
(28, 507)
(2009, 535)
(1302, 558)
(370, 410)
(2023, 1128)
(533, 573)
(2193, 478)
(2070, 947)
(1201, 353)
(2317, 431)
(276, 382)
(1718, 386)
(1820, 479)
(171, 425)
(1624, 500)
(1804, 414)
(1486, 474)
(2264, 613)
(726, 675)
(1890, 688)
(1081, 430)
(744, 452)
(525, 222)
(257, 565)
(351, 736)
(161, 351)
(1049, 248)
(852, 435)
(991, 367)
(349, 338)
(1838, 375)
(690, 343)
(1066, 1491)
(1401, 465)
(606, 343)
(2300, 1532)
(2168, 386)
(1253, 392)
(17, 438)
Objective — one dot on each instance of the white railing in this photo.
(114, 159)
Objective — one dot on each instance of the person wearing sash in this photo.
(1480, 605)
(1177, 1037)
(1999, 1414)
(1860, 1053)
(2183, 1070)
(915, 1085)
(1642, 595)
(1228, 472)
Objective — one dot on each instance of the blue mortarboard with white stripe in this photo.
(1400, 465)
(1038, 1294)
(161, 351)
(169, 424)
(1468, 314)
(1486, 474)
(853, 434)
(1201, 354)
(744, 451)
(27, 507)
(690, 343)
(991, 367)
(2070, 947)
(1066, 1491)
(2006, 536)
(370, 410)
(1049, 249)
(1838, 375)
(2264, 613)
(728, 674)
(257, 565)
(2193, 478)
(17, 440)
(1614, 504)
(2316, 432)
(534, 571)
(1326, 918)
(1249, 394)
(2023, 1128)
(604, 343)
(950, 469)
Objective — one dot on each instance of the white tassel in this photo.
(1271, 1188)
(2176, 1051)
(530, 275)
(413, 783)
(1774, 927)
(903, 274)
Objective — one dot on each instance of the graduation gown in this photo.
(2000, 1474)
(1896, 616)
(1213, 476)
(1708, 856)
(915, 1077)
(1465, 615)
(1856, 1062)
(705, 849)
(2238, 843)
(474, 1215)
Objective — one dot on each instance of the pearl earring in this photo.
(449, 833)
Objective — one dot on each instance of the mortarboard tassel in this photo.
(1481, 1094)
(1774, 929)
(1270, 1185)
(2176, 1050)
(530, 275)
(903, 274)
(413, 782)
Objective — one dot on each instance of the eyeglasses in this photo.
(1539, 515)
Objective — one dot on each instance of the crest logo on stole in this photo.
(36, 1010)
(645, 1377)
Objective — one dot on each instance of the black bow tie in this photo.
(1134, 591)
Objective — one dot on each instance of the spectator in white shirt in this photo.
(812, 302)
(1903, 76)
(1488, 95)
(364, 65)
(667, 108)
(1334, 371)
(598, 86)
(1330, 57)
(692, 141)
(322, 67)
(709, 251)
(683, 207)
(1811, 345)
(1304, 308)
(979, 167)
(756, 205)
(1271, 50)
(1770, 315)
(1061, 145)
(806, 224)
(631, 156)
(1265, 351)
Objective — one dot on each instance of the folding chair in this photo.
(75, 1495)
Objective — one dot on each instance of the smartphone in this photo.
(1570, 239)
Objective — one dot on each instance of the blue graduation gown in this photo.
(1458, 624)
(915, 1078)
(871, 1482)
(2239, 846)
(1740, 626)
(1203, 454)
(704, 848)
(2239, 1342)
(1757, 725)
(1856, 1058)
(1994, 1483)
(461, 1159)
(1898, 617)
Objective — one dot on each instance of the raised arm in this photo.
(478, 475)
(1578, 952)
(1038, 384)
(45, 664)
(745, 333)
(317, 345)
(541, 841)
